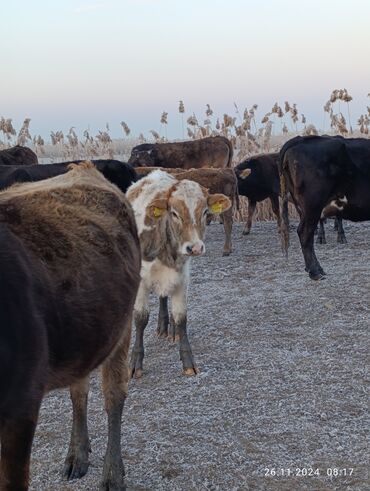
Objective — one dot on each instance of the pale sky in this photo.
(85, 63)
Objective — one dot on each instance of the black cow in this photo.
(323, 173)
(118, 173)
(18, 155)
(258, 179)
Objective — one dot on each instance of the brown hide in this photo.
(75, 257)
(215, 151)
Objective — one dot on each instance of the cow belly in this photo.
(162, 279)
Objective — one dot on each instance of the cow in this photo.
(222, 181)
(171, 217)
(258, 179)
(213, 151)
(69, 274)
(18, 155)
(321, 172)
(118, 173)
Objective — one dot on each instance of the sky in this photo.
(88, 63)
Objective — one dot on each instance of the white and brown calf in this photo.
(171, 218)
(217, 181)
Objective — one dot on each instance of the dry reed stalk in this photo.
(24, 133)
(125, 128)
(182, 111)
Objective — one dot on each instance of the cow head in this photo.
(184, 210)
(142, 158)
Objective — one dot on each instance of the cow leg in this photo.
(275, 208)
(228, 228)
(141, 316)
(163, 318)
(321, 239)
(341, 237)
(115, 377)
(306, 230)
(251, 210)
(178, 304)
(77, 460)
(16, 442)
(335, 228)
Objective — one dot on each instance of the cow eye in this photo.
(175, 215)
(205, 212)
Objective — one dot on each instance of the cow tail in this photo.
(284, 228)
(231, 153)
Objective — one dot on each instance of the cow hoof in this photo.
(342, 240)
(173, 339)
(190, 372)
(162, 334)
(317, 276)
(320, 240)
(225, 253)
(112, 485)
(74, 468)
(246, 232)
(135, 372)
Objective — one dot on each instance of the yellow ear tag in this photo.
(217, 207)
(157, 212)
(245, 173)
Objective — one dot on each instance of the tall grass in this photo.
(249, 134)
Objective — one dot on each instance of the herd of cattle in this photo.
(84, 243)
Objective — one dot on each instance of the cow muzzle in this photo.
(194, 249)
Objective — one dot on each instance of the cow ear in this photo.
(218, 203)
(245, 173)
(157, 208)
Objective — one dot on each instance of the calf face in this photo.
(185, 210)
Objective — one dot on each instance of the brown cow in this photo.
(18, 155)
(213, 151)
(222, 181)
(70, 265)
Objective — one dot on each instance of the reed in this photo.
(249, 134)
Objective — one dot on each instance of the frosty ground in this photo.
(282, 383)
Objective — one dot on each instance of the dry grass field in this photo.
(283, 379)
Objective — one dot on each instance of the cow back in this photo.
(18, 155)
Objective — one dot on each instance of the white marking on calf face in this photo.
(141, 194)
(191, 201)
